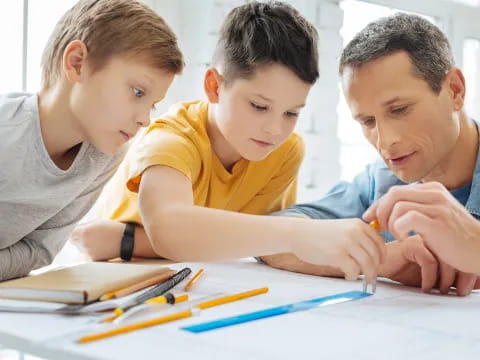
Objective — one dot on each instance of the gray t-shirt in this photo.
(40, 203)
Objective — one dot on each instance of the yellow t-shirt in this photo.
(179, 140)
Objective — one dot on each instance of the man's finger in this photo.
(411, 221)
(416, 251)
(465, 283)
(447, 277)
(477, 283)
(371, 213)
(432, 194)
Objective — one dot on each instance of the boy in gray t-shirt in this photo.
(106, 63)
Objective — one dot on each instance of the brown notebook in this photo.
(79, 284)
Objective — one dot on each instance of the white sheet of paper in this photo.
(399, 321)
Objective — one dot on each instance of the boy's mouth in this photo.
(126, 135)
(261, 143)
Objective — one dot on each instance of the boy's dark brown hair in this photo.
(263, 33)
(108, 28)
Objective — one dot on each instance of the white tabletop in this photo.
(396, 323)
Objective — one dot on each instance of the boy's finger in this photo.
(372, 249)
(378, 241)
(350, 268)
(362, 258)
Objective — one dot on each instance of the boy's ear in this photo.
(74, 60)
(212, 83)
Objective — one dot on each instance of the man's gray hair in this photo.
(424, 42)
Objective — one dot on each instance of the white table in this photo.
(397, 323)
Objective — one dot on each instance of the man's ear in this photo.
(211, 84)
(455, 82)
(74, 60)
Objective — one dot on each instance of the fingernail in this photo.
(464, 292)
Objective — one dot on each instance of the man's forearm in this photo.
(290, 262)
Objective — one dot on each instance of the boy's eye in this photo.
(138, 93)
(292, 114)
(258, 107)
(400, 109)
(368, 122)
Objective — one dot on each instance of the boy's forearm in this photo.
(21, 258)
(142, 246)
(193, 233)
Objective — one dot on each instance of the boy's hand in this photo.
(348, 244)
(430, 210)
(99, 239)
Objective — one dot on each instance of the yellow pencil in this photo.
(374, 224)
(141, 285)
(162, 299)
(229, 298)
(136, 326)
(193, 280)
(171, 317)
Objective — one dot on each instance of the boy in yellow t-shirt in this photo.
(180, 140)
(234, 152)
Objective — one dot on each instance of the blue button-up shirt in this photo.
(352, 199)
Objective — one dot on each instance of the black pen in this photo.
(155, 291)
(162, 288)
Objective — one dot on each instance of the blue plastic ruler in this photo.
(279, 310)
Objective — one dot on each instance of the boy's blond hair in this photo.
(112, 27)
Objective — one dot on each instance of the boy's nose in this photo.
(272, 127)
(143, 120)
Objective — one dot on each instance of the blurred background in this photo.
(335, 145)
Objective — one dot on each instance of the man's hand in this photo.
(431, 211)
(411, 263)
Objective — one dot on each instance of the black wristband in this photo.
(128, 240)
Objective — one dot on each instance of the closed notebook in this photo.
(79, 284)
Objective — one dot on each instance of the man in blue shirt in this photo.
(401, 84)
